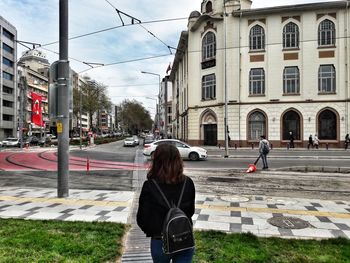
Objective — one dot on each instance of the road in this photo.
(111, 167)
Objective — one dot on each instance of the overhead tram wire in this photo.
(139, 23)
(116, 27)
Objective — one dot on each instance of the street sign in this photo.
(59, 127)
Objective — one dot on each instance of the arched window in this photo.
(209, 7)
(326, 79)
(257, 125)
(290, 35)
(291, 123)
(208, 87)
(257, 38)
(291, 80)
(209, 46)
(257, 81)
(327, 125)
(326, 33)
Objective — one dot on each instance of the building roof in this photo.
(291, 8)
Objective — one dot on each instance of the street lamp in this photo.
(158, 108)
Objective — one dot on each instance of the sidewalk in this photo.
(324, 219)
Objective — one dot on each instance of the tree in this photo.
(94, 98)
(134, 117)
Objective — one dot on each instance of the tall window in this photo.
(209, 87)
(257, 38)
(257, 125)
(290, 36)
(209, 7)
(257, 81)
(326, 79)
(326, 33)
(291, 80)
(209, 46)
(291, 123)
(327, 125)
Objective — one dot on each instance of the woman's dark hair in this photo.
(167, 165)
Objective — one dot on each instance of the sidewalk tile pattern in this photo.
(327, 219)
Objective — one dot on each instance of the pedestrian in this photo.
(229, 140)
(316, 141)
(264, 149)
(291, 140)
(347, 141)
(311, 142)
(167, 171)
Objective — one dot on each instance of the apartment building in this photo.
(8, 90)
(33, 66)
(245, 72)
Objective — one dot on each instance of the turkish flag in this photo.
(37, 117)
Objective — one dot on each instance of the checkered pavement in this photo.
(236, 214)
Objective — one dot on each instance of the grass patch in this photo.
(59, 241)
(215, 247)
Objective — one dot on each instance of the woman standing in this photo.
(167, 171)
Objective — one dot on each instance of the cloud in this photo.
(38, 21)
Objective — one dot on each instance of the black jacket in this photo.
(153, 209)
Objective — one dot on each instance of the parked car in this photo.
(44, 141)
(31, 140)
(186, 151)
(0, 144)
(136, 140)
(10, 142)
(129, 142)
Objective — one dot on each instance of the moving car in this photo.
(186, 151)
(129, 141)
(10, 142)
(148, 139)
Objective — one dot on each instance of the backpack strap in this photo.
(164, 197)
(162, 194)
(182, 192)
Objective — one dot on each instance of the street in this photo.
(111, 167)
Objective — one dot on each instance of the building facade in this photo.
(33, 66)
(267, 71)
(8, 91)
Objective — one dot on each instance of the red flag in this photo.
(168, 69)
(37, 117)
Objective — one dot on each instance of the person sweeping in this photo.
(264, 149)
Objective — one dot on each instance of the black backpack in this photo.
(265, 148)
(177, 232)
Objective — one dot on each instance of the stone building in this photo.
(268, 71)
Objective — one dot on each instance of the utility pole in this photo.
(166, 106)
(21, 85)
(225, 85)
(63, 103)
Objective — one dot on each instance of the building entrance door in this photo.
(210, 134)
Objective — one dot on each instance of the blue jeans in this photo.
(179, 257)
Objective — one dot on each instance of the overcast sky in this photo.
(37, 21)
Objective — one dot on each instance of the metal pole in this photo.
(166, 106)
(21, 82)
(80, 119)
(225, 84)
(63, 104)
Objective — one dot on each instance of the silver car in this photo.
(10, 142)
(129, 142)
(193, 153)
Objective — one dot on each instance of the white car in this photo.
(10, 142)
(129, 141)
(193, 153)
